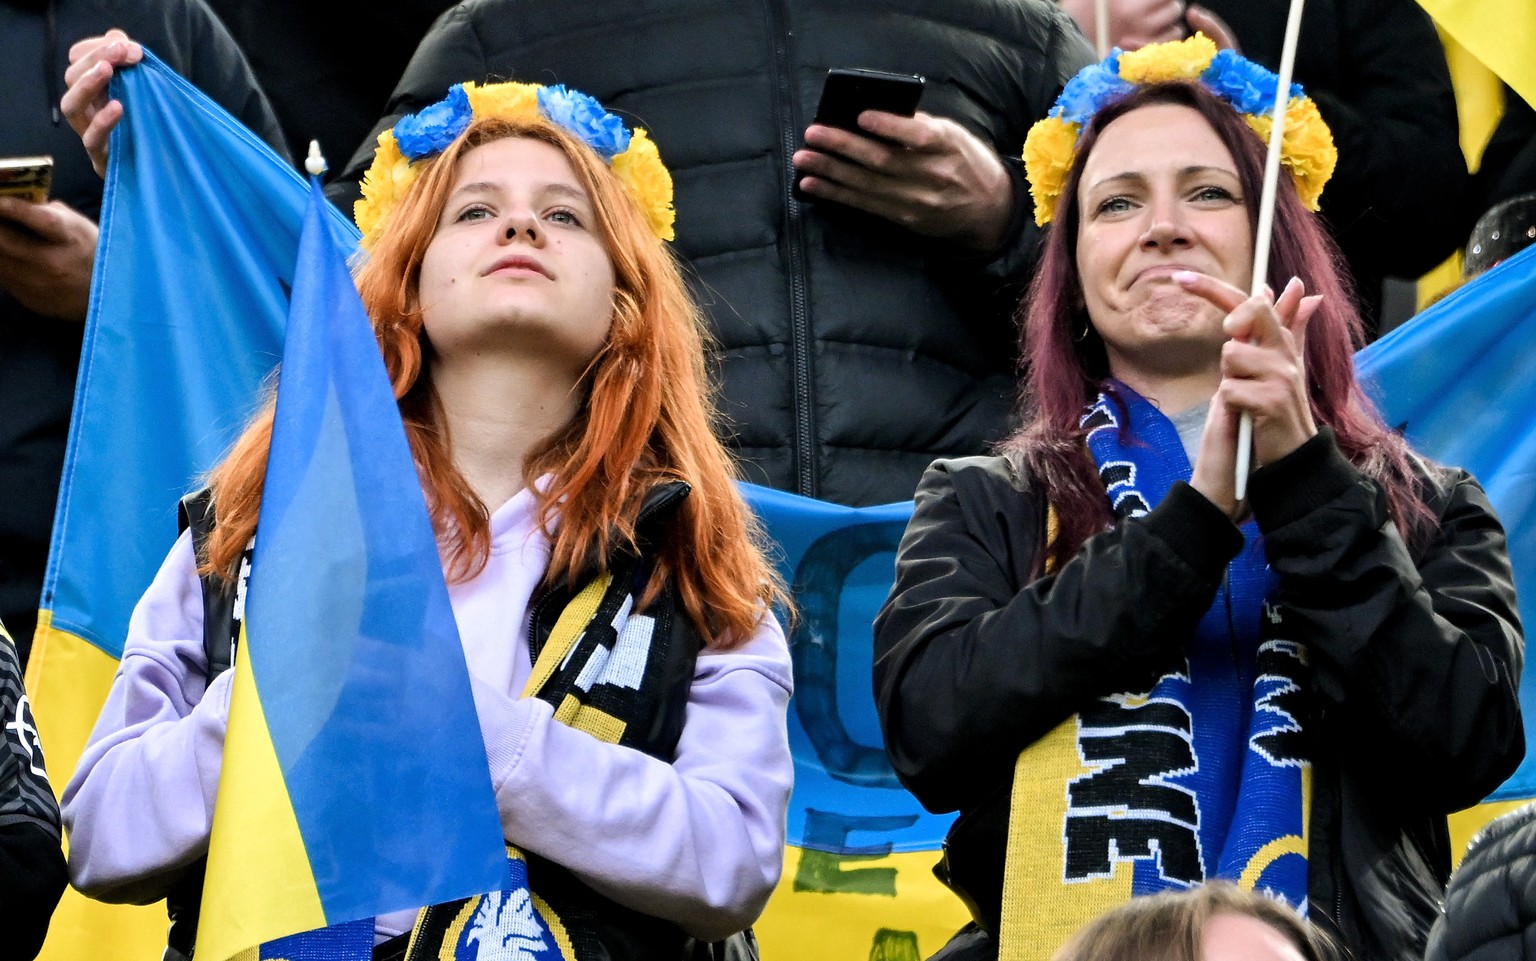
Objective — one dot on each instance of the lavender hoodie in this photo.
(699, 841)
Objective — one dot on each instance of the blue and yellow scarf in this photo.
(1202, 776)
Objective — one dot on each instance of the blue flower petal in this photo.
(1088, 92)
(432, 128)
(585, 117)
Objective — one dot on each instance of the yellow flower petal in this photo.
(647, 179)
(1176, 60)
(1048, 152)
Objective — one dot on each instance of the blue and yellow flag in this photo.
(355, 780)
(1457, 379)
(186, 323)
(1500, 33)
(199, 231)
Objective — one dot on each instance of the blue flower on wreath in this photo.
(585, 117)
(431, 129)
(1246, 85)
(1092, 88)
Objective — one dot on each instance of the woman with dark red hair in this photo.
(1126, 677)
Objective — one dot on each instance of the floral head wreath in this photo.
(1306, 147)
(631, 154)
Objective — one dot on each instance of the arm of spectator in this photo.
(926, 173)
(46, 256)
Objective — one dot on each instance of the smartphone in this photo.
(849, 91)
(29, 178)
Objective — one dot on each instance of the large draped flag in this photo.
(188, 321)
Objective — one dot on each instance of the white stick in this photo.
(1101, 27)
(1267, 218)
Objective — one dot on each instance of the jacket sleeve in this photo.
(974, 660)
(32, 874)
(699, 841)
(450, 52)
(139, 807)
(1416, 660)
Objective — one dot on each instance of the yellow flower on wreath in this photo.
(1307, 149)
(1176, 60)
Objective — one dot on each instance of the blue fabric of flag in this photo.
(200, 221)
(1459, 380)
(351, 639)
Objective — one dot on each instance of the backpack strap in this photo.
(223, 601)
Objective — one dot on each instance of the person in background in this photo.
(1377, 72)
(47, 250)
(1490, 902)
(328, 68)
(550, 372)
(1125, 677)
(1214, 921)
(859, 286)
(32, 871)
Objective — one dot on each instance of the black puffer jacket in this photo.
(1490, 904)
(851, 351)
(39, 356)
(1415, 658)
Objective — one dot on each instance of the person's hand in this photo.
(46, 256)
(926, 173)
(91, 64)
(1132, 23)
(1263, 374)
(1203, 20)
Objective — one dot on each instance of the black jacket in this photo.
(1415, 659)
(851, 351)
(39, 356)
(32, 872)
(1490, 904)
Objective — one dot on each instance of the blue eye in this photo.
(474, 212)
(1114, 205)
(1214, 193)
(564, 216)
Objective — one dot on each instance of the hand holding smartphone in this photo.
(849, 91)
(29, 178)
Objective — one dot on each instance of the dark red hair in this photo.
(1062, 370)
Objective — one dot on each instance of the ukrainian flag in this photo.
(1456, 378)
(355, 780)
(199, 230)
(1500, 33)
(200, 235)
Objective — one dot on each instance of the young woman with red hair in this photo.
(550, 372)
(1123, 677)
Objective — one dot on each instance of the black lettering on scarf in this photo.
(1127, 809)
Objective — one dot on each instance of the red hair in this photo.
(647, 416)
(1062, 370)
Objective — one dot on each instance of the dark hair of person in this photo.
(1170, 926)
(1063, 361)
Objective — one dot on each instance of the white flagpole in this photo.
(1101, 27)
(1267, 217)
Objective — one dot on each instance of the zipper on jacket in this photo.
(794, 237)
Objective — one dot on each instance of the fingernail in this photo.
(1184, 276)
